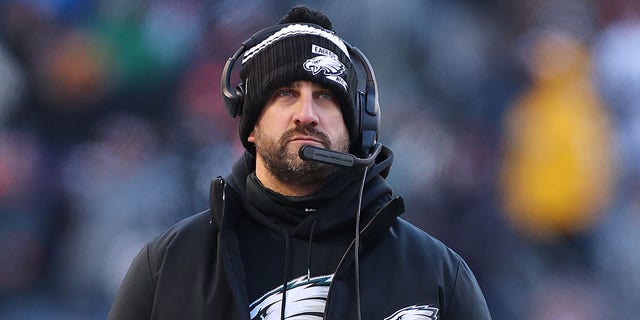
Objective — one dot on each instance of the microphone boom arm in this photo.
(311, 153)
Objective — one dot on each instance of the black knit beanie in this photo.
(302, 46)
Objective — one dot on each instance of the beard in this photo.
(287, 166)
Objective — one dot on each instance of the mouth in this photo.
(307, 140)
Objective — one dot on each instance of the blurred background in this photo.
(515, 126)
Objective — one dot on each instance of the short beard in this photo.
(289, 167)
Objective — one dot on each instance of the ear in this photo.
(251, 138)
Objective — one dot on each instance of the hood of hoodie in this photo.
(331, 208)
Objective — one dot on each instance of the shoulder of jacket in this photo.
(192, 239)
(424, 245)
(188, 231)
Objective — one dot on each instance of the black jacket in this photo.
(195, 269)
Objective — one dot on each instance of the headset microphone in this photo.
(311, 153)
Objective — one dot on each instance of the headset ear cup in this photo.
(369, 124)
(238, 100)
(233, 100)
(367, 109)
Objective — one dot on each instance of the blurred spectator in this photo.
(557, 173)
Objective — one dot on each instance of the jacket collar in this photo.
(236, 180)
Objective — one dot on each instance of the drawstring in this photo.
(286, 265)
(313, 226)
(357, 246)
(286, 274)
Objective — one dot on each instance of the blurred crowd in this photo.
(515, 127)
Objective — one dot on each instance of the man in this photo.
(326, 237)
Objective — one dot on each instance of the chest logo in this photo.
(415, 313)
(306, 299)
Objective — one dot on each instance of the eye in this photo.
(325, 95)
(284, 92)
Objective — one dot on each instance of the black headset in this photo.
(367, 109)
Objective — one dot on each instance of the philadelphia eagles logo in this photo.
(328, 65)
(306, 299)
(326, 62)
(415, 313)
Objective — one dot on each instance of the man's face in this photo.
(302, 113)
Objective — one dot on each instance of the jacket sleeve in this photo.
(135, 297)
(467, 300)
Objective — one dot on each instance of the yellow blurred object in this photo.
(557, 170)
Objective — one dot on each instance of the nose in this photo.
(305, 112)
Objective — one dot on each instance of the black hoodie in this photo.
(235, 260)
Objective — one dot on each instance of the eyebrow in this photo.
(296, 84)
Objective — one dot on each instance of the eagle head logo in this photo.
(326, 64)
(415, 313)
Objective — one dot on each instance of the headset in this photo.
(366, 105)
